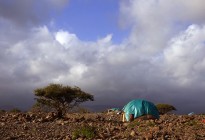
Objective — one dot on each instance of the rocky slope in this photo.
(101, 126)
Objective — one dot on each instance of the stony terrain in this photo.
(45, 126)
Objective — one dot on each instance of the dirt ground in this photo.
(99, 126)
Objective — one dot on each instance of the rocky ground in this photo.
(101, 126)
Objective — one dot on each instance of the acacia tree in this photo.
(61, 98)
(165, 108)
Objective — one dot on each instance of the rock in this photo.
(3, 124)
(132, 133)
(125, 124)
(81, 118)
(101, 135)
(67, 138)
(60, 122)
(149, 136)
(25, 127)
(51, 116)
(156, 128)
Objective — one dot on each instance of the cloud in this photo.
(29, 12)
(58, 3)
(66, 39)
(162, 59)
(184, 58)
(155, 22)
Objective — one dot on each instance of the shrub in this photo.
(15, 110)
(165, 108)
(2, 110)
(85, 132)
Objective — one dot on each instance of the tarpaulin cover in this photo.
(139, 108)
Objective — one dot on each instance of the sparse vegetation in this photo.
(191, 123)
(61, 98)
(134, 124)
(84, 132)
(150, 123)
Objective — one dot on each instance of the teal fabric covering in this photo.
(139, 108)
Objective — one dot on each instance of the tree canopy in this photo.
(61, 98)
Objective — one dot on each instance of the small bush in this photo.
(15, 110)
(165, 108)
(2, 110)
(85, 132)
(202, 114)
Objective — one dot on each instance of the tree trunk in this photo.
(59, 114)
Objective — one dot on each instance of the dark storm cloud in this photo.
(29, 12)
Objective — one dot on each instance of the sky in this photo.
(117, 50)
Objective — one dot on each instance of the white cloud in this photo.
(186, 54)
(106, 39)
(77, 71)
(66, 39)
(155, 22)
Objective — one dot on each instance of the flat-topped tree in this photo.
(61, 98)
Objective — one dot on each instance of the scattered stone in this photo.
(30, 126)
(132, 133)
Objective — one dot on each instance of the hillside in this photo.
(44, 126)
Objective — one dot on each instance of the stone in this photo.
(132, 133)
